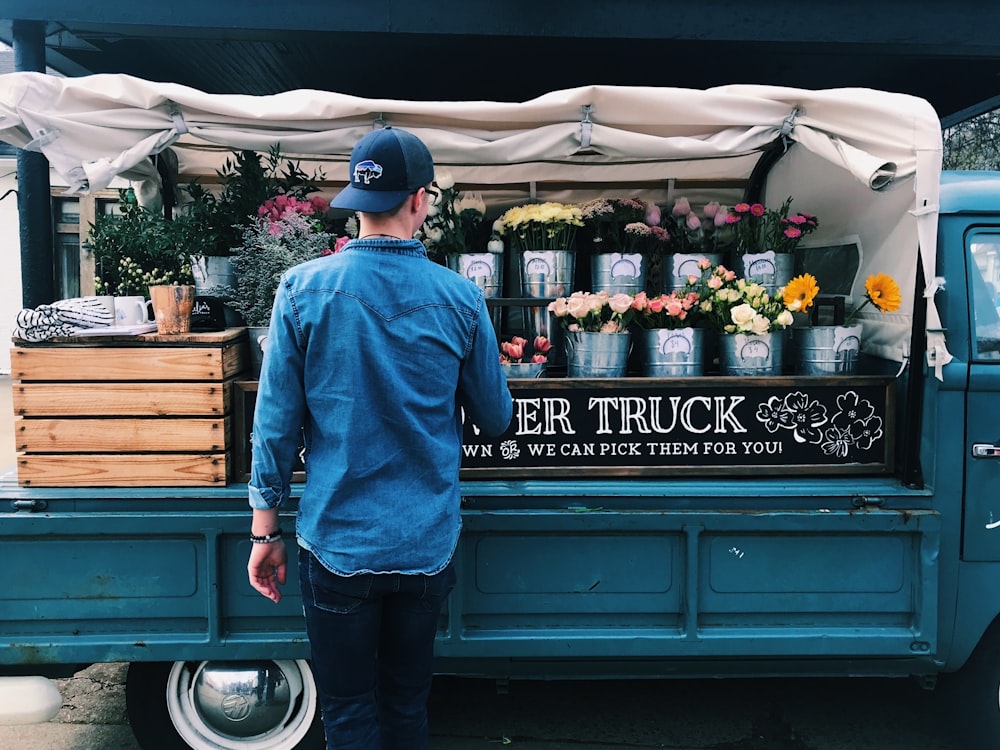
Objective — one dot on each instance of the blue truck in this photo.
(598, 542)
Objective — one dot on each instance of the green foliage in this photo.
(268, 249)
(248, 179)
(137, 249)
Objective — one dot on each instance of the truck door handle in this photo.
(985, 450)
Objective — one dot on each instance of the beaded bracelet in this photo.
(267, 538)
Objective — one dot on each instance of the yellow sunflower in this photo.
(800, 293)
(883, 291)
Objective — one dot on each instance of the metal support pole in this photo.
(34, 201)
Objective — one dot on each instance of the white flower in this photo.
(759, 324)
(471, 202)
(742, 316)
(432, 210)
(495, 246)
(784, 319)
(444, 180)
(434, 234)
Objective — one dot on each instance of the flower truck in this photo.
(715, 523)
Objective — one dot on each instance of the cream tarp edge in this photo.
(94, 128)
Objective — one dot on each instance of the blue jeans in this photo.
(372, 642)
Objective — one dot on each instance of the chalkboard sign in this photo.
(708, 425)
(668, 426)
(245, 399)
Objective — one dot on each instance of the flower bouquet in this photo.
(751, 321)
(693, 237)
(513, 353)
(597, 335)
(758, 229)
(834, 349)
(671, 346)
(766, 239)
(544, 235)
(626, 238)
(452, 221)
(541, 226)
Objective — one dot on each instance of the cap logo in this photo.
(366, 171)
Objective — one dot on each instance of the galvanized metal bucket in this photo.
(547, 273)
(618, 273)
(678, 266)
(771, 270)
(672, 353)
(751, 355)
(597, 355)
(485, 270)
(524, 369)
(827, 350)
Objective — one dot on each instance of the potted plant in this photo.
(834, 349)
(452, 237)
(213, 226)
(543, 235)
(513, 353)
(749, 319)
(596, 332)
(694, 236)
(625, 238)
(766, 238)
(670, 343)
(286, 231)
(135, 250)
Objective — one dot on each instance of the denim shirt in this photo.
(373, 353)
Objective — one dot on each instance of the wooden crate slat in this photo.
(120, 399)
(202, 434)
(96, 363)
(122, 470)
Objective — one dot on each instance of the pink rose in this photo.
(674, 308)
(656, 305)
(639, 301)
(539, 359)
(620, 303)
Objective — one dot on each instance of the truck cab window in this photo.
(985, 295)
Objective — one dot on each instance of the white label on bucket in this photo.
(626, 265)
(539, 262)
(750, 346)
(757, 266)
(675, 342)
(686, 265)
(477, 265)
(847, 339)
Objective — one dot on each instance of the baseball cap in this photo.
(386, 166)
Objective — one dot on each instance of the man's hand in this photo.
(267, 568)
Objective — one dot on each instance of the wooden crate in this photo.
(138, 411)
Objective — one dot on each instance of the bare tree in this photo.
(974, 144)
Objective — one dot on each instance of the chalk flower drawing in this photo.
(853, 426)
(509, 450)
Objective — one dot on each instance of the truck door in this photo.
(982, 512)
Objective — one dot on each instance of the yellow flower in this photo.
(883, 291)
(800, 293)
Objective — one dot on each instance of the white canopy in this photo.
(866, 162)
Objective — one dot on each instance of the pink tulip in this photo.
(539, 359)
(720, 219)
(693, 222)
(712, 209)
(653, 215)
(682, 207)
(518, 341)
(542, 344)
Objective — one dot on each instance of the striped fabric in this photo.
(62, 318)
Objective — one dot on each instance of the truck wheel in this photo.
(974, 694)
(218, 705)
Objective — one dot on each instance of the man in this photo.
(376, 351)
